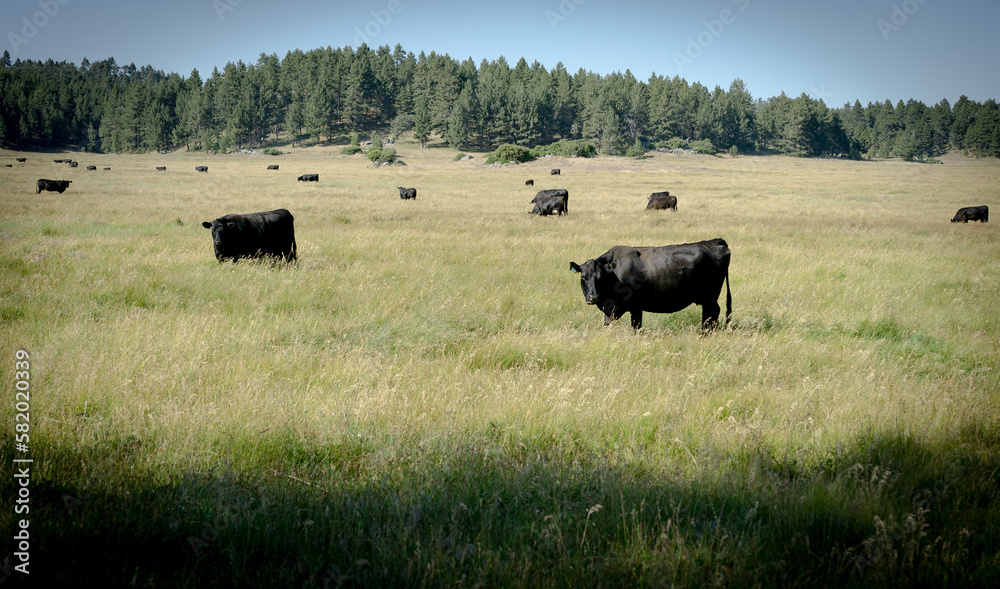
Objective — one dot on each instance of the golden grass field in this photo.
(412, 332)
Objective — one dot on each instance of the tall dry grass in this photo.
(429, 373)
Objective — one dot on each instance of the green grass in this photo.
(425, 399)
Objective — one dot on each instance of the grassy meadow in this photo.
(424, 399)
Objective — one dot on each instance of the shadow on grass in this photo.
(503, 510)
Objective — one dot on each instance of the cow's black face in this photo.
(219, 229)
(595, 278)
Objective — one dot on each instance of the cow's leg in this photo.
(637, 319)
(709, 314)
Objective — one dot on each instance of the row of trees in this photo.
(323, 94)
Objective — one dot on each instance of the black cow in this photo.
(662, 201)
(529, 182)
(657, 279)
(309, 178)
(73, 164)
(981, 214)
(59, 186)
(545, 194)
(107, 169)
(273, 167)
(555, 171)
(21, 160)
(201, 168)
(161, 168)
(8, 165)
(58, 161)
(549, 205)
(407, 193)
(253, 235)
(91, 167)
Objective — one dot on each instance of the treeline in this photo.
(324, 94)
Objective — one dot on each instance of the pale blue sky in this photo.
(836, 50)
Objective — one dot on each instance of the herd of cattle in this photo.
(622, 280)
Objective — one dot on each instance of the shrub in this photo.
(703, 146)
(351, 150)
(636, 150)
(509, 152)
(380, 156)
(355, 140)
(458, 157)
(733, 151)
(567, 148)
(272, 151)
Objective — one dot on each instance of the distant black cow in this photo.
(91, 167)
(981, 214)
(201, 168)
(662, 201)
(549, 205)
(8, 165)
(657, 279)
(107, 169)
(309, 178)
(21, 160)
(555, 171)
(59, 186)
(560, 192)
(407, 193)
(529, 182)
(58, 161)
(253, 235)
(161, 168)
(273, 167)
(73, 164)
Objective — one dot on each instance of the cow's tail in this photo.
(729, 299)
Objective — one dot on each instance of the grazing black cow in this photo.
(407, 193)
(59, 186)
(657, 279)
(91, 167)
(201, 168)
(21, 160)
(661, 201)
(555, 171)
(549, 205)
(253, 235)
(107, 169)
(161, 168)
(273, 167)
(964, 215)
(8, 165)
(560, 192)
(309, 178)
(58, 161)
(529, 182)
(73, 164)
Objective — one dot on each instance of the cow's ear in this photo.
(206, 225)
(574, 268)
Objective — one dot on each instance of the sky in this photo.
(837, 50)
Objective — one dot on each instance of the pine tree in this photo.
(422, 121)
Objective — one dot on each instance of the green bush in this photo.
(704, 146)
(509, 152)
(636, 150)
(733, 151)
(272, 151)
(566, 148)
(381, 156)
(351, 150)
(355, 140)
(458, 157)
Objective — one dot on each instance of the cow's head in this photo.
(595, 278)
(220, 229)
